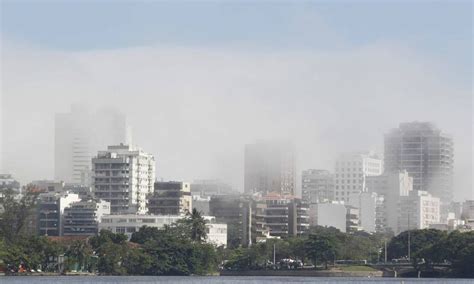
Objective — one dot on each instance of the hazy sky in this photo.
(198, 80)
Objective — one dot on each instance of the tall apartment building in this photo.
(269, 167)
(123, 176)
(390, 186)
(79, 134)
(317, 186)
(170, 198)
(351, 172)
(418, 210)
(82, 218)
(428, 156)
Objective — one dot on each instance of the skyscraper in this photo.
(426, 153)
(123, 176)
(79, 134)
(351, 172)
(269, 167)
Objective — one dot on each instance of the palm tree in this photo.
(198, 226)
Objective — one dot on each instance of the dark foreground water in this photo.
(216, 280)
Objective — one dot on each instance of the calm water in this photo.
(216, 280)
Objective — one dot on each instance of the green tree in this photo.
(321, 248)
(16, 212)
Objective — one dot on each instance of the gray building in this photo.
(210, 187)
(170, 198)
(82, 218)
(50, 212)
(269, 168)
(428, 156)
(317, 186)
(244, 217)
(286, 215)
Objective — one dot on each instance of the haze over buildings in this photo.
(198, 82)
(79, 134)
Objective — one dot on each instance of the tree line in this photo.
(180, 249)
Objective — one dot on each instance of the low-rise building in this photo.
(50, 212)
(82, 218)
(331, 214)
(170, 198)
(130, 223)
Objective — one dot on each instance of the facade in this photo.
(390, 186)
(50, 212)
(285, 215)
(351, 172)
(207, 188)
(130, 223)
(123, 176)
(418, 210)
(79, 134)
(427, 154)
(82, 218)
(331, 214)
(244, 216)
(170, 198)
(317, 186)
(269, 168)
(366, 202)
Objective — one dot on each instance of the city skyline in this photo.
(319, 77)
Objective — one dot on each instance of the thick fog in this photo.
(195, 108)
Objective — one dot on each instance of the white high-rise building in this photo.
(351, 172)
(79, 134)
(123, 176)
